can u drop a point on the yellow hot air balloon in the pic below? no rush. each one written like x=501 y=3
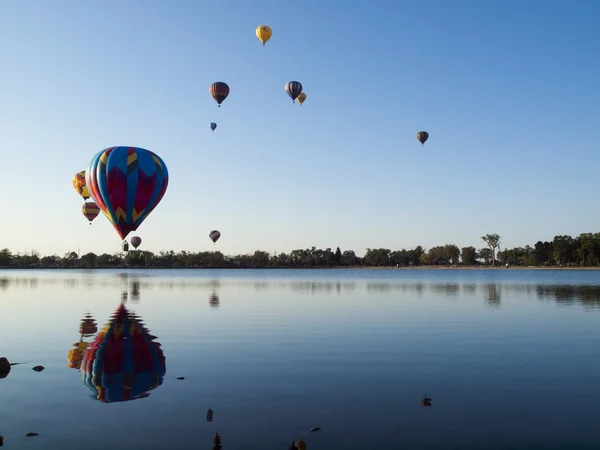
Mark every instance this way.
x=301 y=97
x=80 y=186
x=263 y=33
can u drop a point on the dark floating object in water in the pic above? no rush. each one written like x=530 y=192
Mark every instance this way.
x=38 y=368
x=1 y=440
x=426 y=401
x=293 y=446
x=181 y=378
x=313 y=429
x=209 y=415
x=4 y=367
x=217 y=442
x=32 y=434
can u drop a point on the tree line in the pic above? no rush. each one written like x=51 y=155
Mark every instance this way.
x=564 y=250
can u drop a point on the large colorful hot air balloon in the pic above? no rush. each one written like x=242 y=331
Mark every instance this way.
x=301 y=97
x=219 y=91
x=123 y=362
x=264 y=33
x=422 y=136
x=214 y=236
x=136 y=241
x=79 y=184
x=293 y=89
x=90 y=210
x=213 y=126
x=127 y=183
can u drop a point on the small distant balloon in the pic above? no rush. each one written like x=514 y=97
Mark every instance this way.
x=293 y=89
x=264 y=33
x=213 y=126
x=422 y=136
x=214 y=235
x=136 y=241
x=219 y=91
x=80 y=186
x=301 y=98
x=90 y=210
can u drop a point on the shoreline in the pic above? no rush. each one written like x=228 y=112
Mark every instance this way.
x=316 y=268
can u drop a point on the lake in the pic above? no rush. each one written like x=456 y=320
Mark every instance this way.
x=510 y=359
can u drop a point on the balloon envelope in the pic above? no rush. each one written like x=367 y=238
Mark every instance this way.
x=422 y=136
x=136 y=241
x=214 y=235
x=293 y=89
x=80 y=186
x=90 y=210
x=219 y=91
x=127 y=183
x=213 y=126
x=264 y=33
x=124 y=362
x=301 y=97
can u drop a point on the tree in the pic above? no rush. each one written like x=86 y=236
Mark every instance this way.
x=493 y=242
x=338 y=255
x=5 y=257
x=469 y=256
x=485 y=254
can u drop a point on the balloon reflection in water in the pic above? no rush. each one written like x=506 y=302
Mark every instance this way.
x=87 y=329
x=214 y=300
x=124 y=361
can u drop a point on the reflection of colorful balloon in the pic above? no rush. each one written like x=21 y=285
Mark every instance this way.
x=301 y=97
x=123 y=362
x=136 y=241
x=219 y=91
x=127 y=183
x=214 y=300
x=90 y=210
x=214 y=236
x=422 y=136
x=75 y=356
x=80 y=186
x=293 y=89
x=213 y=126
x=264 y=33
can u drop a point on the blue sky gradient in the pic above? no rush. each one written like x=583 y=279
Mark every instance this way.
x=508 y=91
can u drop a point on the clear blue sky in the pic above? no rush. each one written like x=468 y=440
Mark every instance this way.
x=508 y=90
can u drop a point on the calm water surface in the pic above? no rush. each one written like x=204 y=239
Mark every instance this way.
x=510 y=358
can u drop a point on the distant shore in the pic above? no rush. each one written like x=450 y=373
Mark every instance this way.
x=499 y=267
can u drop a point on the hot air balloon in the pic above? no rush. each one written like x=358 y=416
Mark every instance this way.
x=422 y=136
x=213 y=126
x=293 y=89
x=90 y=210
x=80 y=186
x=123 y=362
x=219 y=91
x=136 y=241
x=127 y=183
x=214 y=236
x=264 y=33
x=301 y=97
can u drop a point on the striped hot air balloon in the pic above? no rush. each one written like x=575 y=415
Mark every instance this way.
x=127 y=183
x=214 y=235
x=136 y=241
x=219 y=91
x=293 y=89
x=90 y=210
